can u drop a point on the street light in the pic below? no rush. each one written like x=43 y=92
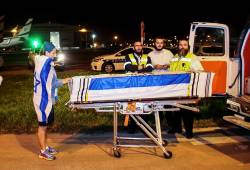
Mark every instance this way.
x=115 y=39
x=84 y=30
x=93 y=36
x=14 y=31
x=35 y=43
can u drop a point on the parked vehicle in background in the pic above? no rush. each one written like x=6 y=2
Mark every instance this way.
x=114 y=62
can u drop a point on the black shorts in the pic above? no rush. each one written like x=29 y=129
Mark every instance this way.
x=50 y=120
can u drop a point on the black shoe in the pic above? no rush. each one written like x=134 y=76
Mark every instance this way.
x=189 y=135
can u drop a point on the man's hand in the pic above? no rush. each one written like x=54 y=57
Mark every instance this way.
x=66 y=80
x=158 y=66
x=166 y=66
x=140 y=67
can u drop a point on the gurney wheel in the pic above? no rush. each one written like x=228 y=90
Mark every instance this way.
x=117 y=154
x=168 y=155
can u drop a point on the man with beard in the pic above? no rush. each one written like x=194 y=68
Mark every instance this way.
x=160 y=57
x=184 y=61
x=137 y=62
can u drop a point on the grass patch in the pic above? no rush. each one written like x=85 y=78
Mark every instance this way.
x=212 y=108
x=17 y=114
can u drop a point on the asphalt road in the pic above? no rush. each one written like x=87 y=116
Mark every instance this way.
x=211 y=148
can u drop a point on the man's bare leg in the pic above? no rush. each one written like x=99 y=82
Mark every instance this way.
x=42 y=137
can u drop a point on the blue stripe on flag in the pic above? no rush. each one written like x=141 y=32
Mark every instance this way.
x=138 y=81
x=44 y=76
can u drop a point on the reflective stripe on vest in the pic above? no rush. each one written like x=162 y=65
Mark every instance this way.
x=182 y=59
x=181 y=63
x=144 y=59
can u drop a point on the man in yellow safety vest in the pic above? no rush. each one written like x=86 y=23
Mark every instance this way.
x=140 y=63
x=184 y=61
x=137 y=61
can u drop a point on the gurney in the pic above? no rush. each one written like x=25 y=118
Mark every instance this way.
x=139 y=94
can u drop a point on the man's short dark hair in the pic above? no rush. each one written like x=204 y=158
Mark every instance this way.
x=160 y=37
x=137 y=42
x=184 y=39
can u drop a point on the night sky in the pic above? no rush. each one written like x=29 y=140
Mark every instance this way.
x=107 y=19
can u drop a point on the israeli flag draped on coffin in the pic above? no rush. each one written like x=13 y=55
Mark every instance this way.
x=140 y=86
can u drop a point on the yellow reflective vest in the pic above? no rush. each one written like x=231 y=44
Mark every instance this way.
x=178 y=63
x=143 y=62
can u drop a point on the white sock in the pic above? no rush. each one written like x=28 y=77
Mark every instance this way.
x=42 y=151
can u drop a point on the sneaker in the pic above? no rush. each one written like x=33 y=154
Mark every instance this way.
x=51 y=150
x=47 y=156
x=189 y=136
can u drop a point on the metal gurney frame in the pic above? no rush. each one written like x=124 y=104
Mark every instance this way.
x=152 y=105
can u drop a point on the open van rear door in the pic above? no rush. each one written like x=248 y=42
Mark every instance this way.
x=210 y=43
x=244 y=53
x=240 y=106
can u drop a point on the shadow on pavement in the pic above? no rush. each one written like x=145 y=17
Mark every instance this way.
x=28 y=142
x=237 y=148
